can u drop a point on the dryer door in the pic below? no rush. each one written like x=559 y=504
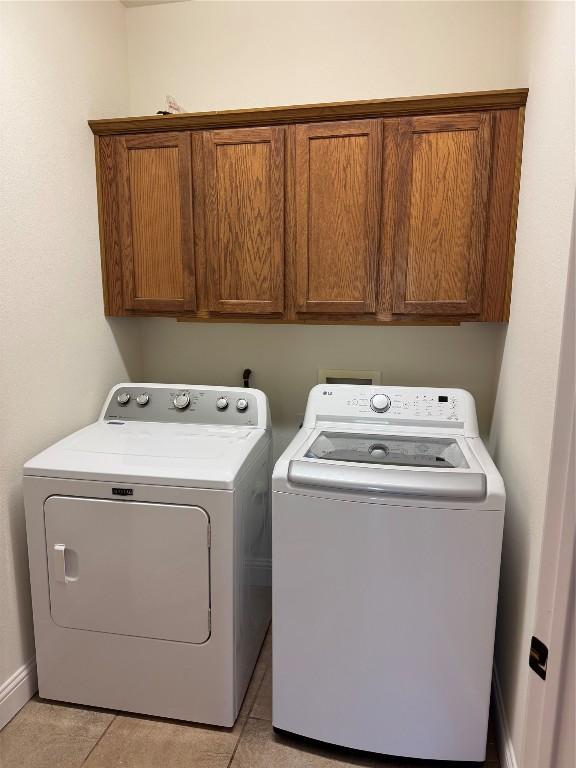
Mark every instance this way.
x=129 y=568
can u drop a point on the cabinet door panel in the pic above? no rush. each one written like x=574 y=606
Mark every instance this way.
x=155 y=193
x=441 y=230
x=337 y=215
x=244 y=220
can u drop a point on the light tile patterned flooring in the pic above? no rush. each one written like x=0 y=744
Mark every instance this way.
x=49 y=735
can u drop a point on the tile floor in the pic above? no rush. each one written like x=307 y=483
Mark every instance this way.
x=49 y=735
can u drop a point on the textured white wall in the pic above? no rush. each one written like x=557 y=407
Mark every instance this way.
x=285 y=359
x=225 y=55
x=61 y=64
x=524 y=411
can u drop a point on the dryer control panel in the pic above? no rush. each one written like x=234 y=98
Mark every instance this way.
x=452 y=409
x=232 y=406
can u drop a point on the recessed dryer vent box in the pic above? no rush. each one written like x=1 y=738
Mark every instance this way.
x=337 y=376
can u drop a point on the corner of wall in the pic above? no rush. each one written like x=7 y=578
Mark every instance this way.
x=525 y=399
x=504 y=742
x=67 y=62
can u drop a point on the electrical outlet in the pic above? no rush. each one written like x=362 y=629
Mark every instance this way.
x=343 y=376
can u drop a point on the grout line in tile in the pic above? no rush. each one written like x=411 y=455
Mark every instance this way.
x=240 y=735
x=99 y=739
x=245 y=723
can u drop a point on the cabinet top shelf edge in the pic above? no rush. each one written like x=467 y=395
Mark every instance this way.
x=308 y=113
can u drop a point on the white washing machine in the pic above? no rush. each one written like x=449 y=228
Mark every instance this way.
x=387 y=518
x=149 y=548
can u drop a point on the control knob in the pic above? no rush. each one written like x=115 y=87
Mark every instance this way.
x=380 y=403
x=222 y=403
x=241 y=404
x=181 y=401
x=123 y=398
x=143 y=398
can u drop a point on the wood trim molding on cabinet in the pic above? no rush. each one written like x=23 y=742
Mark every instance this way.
x=311 y=113
x=502 y=212
x=110 y=255
x=318 y=319
x=514 y=214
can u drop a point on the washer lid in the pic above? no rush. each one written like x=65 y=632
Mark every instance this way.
x=410 y=465
x=390 y=450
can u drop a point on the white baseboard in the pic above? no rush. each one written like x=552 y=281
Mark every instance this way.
x=503 y=737
x=17 y=690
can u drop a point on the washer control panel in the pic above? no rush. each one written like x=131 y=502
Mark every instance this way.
x=190 y=405
x=428 y=406
x=419 y=405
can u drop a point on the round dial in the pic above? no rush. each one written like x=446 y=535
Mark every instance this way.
x=222 y=403
x=380 y=403
x=241 y=404
x=182 y=401
x=123 y=398
x=143 y=398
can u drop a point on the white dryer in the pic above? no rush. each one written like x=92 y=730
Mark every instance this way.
x=387 y=519
x=149 y=549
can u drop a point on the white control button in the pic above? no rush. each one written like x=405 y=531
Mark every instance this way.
x=182 y=401
x=380 y=403
x=123 y=398
x=241 y=404
x=222 y=403
x=143 y=398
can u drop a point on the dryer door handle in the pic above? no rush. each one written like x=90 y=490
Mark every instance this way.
x=60 y=563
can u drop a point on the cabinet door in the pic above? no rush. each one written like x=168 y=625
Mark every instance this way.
x=244 y=220
x=337 y=172
x=155 y=216
x=444 y=171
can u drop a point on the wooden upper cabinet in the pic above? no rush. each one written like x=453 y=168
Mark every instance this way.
x=337 y=203
x=444 y=173
x=400 y=210
x=154 y=178
x=243 y=213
